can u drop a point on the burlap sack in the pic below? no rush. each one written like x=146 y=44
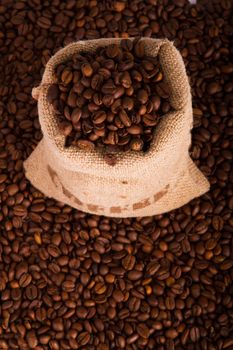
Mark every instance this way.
x=139 y=184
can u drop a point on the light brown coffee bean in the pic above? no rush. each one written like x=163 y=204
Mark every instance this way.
x=83 y=338
x=125 y=118
x=100 y=288
x=134 y=130
x=143 y=330
x=32 y=339
x=118 y=295
x=171 y=333
x=66 y=128
x=142 y=96
x=25 y=280
x=134 y=275
x=136 y=144
x=99 y=117
x=128 y=262
x=86 y=69
x=66 y=76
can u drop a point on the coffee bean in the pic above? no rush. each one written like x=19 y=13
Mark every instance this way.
x=194 y=334
x=143 y=330
x=68 y=286
x=152 y=268
x=170 y=303
x=86 y=69
x=108 y=88
x=12 y=189
x=134 y=275
x=149 y=120
x=142 y=96
x=118 y=295
x=66 y=128
x=100 y=288
x=112 y=51
x=53 y=250
x=25 y=280
x=83 y=338
x=171 y=333
x=44 y=22
x=213 y=88
x=128 y=262
x=99 y=117
x=82 y=312
x=124 y=118
x=227 y=264
x=66 y=76
x=163 y=274
x=31 y=339
x=136 y=144
x=134 y=130
x=76 y=115
x=121 y=342
x=183 y=259
x=31 y=292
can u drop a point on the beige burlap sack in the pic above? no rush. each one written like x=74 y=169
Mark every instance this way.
x=140 y=184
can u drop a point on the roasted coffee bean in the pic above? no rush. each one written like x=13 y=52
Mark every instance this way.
x=86 y=69
x=124 y=118
x=134 y=130
x=64 y=274
x=142 y=96
x=134 y=275
x=31 y=292
x=76 y=115
x=99 y=117
x=32 y=339
x=112 y=51
x=171 y=333
x=128 y=262
x=136 y=144
x=25 y=280
x=66 y=128
x=66 y=76
x=83 y=338
x=143 y=330
x=100 y=288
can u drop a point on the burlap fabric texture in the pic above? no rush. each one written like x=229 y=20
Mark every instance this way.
x=140 y=184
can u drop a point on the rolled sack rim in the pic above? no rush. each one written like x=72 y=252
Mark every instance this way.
x=127 y=163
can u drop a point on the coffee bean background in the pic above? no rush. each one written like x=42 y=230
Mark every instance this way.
x=69 y=280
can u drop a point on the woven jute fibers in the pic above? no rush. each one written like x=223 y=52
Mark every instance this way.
x=140 y=184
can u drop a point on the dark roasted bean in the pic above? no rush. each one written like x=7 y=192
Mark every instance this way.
x=71 y=280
